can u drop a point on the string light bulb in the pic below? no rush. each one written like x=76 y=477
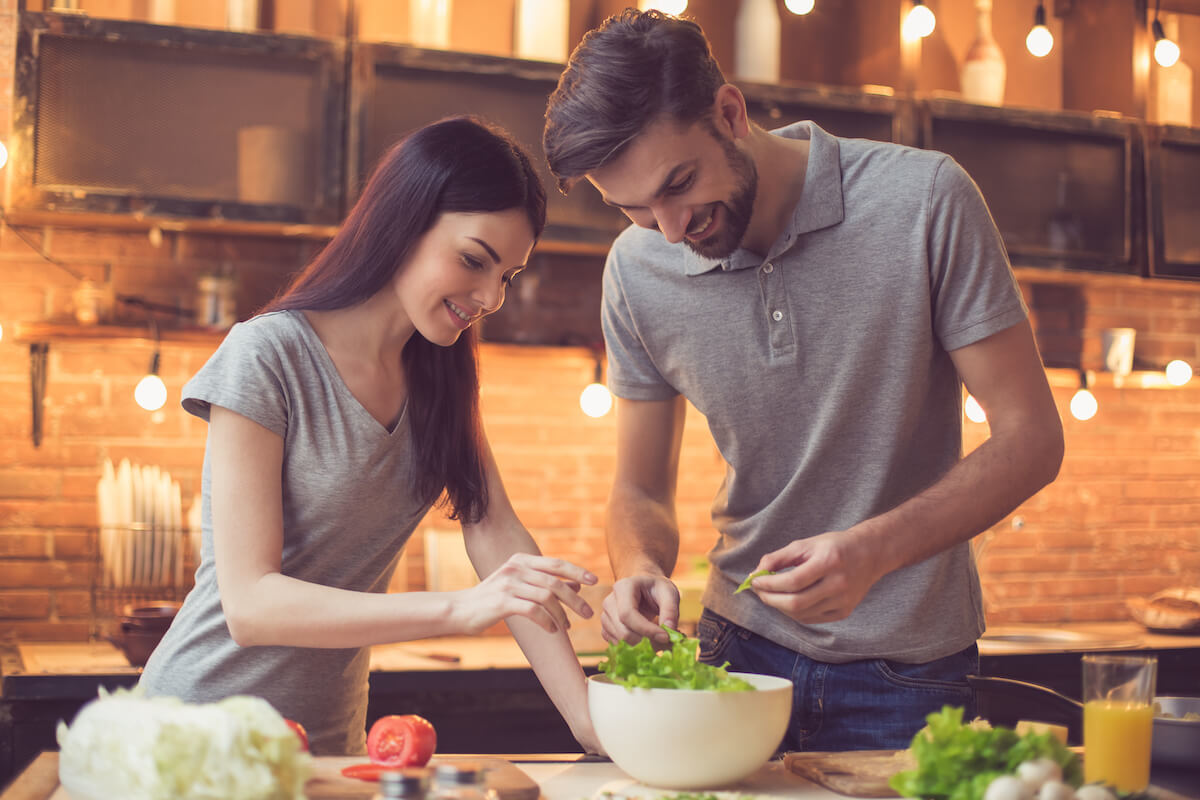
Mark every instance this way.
x=800 y=7
x=150 y=392
x=1179 y=372
x=3 y=155
x=1166 y=52
x=973 y=410
x=595 y=400
x=1040 y=40
x=919 y=22
x=1084 y=405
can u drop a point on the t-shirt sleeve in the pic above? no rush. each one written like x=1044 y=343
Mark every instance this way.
x=631 y=372
x=244 y=375
x=975 y=293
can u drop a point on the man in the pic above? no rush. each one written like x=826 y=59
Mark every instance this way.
x=821 y=301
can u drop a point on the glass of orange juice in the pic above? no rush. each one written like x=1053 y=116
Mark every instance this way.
x=1118 y=717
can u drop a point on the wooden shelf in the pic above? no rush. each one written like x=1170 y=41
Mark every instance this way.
x=141 y=222
x=555 y=241
x=66 y=331
x=1070 y=277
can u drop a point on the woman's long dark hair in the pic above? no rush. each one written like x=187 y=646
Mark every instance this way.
x=460 y=164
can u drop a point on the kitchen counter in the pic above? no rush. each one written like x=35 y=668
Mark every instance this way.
x=559 y=777
x=483 y=697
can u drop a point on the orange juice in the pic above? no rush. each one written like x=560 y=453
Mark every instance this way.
x=1116 y=743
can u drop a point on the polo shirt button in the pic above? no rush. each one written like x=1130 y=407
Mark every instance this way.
x=777 y=315
x=769 y=268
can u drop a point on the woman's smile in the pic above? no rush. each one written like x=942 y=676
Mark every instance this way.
x=459 y=316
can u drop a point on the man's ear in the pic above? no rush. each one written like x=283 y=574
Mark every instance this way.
x=730 y=108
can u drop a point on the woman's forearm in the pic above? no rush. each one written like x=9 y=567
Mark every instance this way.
x=279 y=610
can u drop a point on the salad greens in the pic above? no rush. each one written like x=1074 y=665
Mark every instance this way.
x=744 y=585
x=957 y=761
x=676 y=667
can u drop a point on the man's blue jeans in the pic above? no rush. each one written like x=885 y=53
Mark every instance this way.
x=874 y=704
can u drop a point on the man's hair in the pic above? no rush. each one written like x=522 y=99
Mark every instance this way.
x=635 y=68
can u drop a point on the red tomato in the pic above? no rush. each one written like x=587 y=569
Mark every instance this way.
x=364 y=772
x=401 y=741
x=298 y=729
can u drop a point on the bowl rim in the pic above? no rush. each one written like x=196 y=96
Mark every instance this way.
x=602 y=678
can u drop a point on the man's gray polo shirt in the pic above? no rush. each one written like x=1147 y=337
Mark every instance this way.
x=824 y=375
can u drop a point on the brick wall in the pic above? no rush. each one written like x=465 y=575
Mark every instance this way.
x=1123 y=518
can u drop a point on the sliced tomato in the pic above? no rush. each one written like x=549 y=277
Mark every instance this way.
x=401 y=740
x=298 y=729
x=364 y=772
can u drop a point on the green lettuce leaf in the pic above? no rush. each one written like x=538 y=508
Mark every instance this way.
x=675 y=667
x=957 y=761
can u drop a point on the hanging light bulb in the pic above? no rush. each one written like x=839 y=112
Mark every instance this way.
x=800 y=7
x=973 y=410
x=3 y=155
x=1040 y=40
x=919 y=22
x=1083 y=404
x=1166 y=52
x=595 y=399
x=1179 y=372
x=672 y=7
x=150 y=392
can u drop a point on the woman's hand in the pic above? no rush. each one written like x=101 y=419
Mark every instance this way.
x=536 y=587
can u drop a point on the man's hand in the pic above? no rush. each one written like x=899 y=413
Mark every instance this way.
x=819 y=579
x=630 y=609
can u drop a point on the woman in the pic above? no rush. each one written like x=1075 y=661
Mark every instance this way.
x=337 y=418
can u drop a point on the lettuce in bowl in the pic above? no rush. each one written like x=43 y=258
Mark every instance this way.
x=675 y=667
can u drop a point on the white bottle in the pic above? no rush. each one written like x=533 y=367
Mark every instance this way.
x=756 y=41
x=983 y=70
x=429 y=23
x=542 y=30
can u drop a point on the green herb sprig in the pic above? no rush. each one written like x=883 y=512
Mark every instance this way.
x=744 y=585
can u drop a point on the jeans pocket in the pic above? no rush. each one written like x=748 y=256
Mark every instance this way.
x=948 y=674
x=715 y=634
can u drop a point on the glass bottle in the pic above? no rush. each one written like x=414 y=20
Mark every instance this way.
x=411 y=783
x=458 y=781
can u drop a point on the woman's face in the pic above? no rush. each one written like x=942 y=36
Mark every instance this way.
x=459 y=270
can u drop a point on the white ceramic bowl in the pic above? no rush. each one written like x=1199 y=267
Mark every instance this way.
x=689 y=739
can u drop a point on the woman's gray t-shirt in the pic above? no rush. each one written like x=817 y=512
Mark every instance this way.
x=348 y=510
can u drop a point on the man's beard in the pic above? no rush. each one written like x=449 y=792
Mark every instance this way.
x=738 y=208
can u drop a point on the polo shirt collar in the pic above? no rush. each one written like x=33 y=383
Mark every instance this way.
x=821 y=201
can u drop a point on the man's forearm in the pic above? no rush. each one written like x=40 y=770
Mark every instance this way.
x=642 y=535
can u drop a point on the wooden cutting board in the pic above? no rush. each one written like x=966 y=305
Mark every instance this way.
x=862 y=773
x=328 y=783
x=40 y=780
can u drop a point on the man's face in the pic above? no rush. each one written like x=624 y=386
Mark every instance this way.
x=692 y=184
